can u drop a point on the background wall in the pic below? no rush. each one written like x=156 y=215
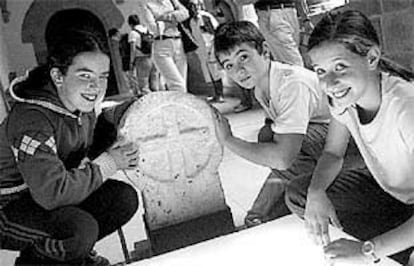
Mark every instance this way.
x=394 y=21
x=4 y=69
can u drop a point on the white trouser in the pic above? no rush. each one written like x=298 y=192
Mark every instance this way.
x=280 y=27
x=171 y=60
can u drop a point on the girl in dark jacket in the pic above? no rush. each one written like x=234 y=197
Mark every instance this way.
x=55 y=202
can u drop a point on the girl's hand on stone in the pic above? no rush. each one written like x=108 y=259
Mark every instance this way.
x=125 y=154
x=345 y=251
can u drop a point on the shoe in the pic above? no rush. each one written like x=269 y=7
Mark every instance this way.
x=215 y=99
x=28 y=258
x=94 y=259
x=252 y=221
x=241 y=108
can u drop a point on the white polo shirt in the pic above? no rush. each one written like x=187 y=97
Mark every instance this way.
x=295 y=99
x=387 y=142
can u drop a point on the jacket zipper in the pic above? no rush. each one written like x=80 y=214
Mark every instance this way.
x=80 y=119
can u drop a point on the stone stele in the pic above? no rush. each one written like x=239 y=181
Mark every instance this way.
x=179 y=157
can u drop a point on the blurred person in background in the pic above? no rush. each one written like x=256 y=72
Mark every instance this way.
x=279 y=23
x=162 y=18
x=141 y=65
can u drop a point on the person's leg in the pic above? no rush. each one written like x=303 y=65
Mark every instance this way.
x=163 y=56
x=154 y=77
x=281 y=35
x=246 y=100
x=271 y=191
x=143 y=68
x=363 y=208
x=218 y=90
x=215 y=77
x=180 y=59
x=132 y=77
x=112 y=205
x=66 y=234
x=247 y=97
x=269 y=203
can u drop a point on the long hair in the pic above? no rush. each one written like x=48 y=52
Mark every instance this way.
x=232 y=34
x=355 y=31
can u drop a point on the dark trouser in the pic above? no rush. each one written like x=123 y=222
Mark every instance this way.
x=218 y=88
x=270 y=203
x=68 y=233
x=246 y=97
x=362 y=207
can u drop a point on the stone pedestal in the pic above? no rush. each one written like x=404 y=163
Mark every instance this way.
x=179 y=159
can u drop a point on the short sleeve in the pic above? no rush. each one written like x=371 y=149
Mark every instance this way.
x=293 y=109
x=406 y=124
x=134 y=37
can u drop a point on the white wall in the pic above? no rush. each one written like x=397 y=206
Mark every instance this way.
x=128 y=7
x=21 y=55
x=4 y=69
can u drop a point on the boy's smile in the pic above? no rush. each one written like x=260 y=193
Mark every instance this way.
x=245 y=65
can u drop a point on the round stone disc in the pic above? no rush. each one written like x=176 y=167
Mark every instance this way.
x=175 y=135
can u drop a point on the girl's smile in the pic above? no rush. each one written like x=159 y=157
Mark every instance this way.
x=345 y=76
x=84 y=84
x=340 y=93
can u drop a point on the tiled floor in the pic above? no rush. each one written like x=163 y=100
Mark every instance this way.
x=241 y=182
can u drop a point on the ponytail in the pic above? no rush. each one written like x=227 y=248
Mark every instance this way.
x=395 y=69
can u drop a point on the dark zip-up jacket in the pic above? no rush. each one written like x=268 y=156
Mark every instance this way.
x=44 y=146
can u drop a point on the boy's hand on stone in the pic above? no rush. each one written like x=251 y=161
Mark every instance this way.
x=222 y=126
x=319 y=212
x=125 y=154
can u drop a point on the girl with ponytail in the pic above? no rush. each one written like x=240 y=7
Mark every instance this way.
x=371 y=99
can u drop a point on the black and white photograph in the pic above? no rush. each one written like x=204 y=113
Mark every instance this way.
x=206 y=132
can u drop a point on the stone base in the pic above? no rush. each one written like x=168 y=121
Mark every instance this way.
x=190 y=232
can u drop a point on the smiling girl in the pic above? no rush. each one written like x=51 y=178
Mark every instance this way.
x=372 y=100
x=55 y=203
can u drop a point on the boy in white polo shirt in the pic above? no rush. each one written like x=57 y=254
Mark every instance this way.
x=297 y=114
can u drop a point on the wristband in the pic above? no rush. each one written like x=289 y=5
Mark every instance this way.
x=368 y=249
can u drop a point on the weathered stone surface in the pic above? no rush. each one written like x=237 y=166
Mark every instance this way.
x=179 y=157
